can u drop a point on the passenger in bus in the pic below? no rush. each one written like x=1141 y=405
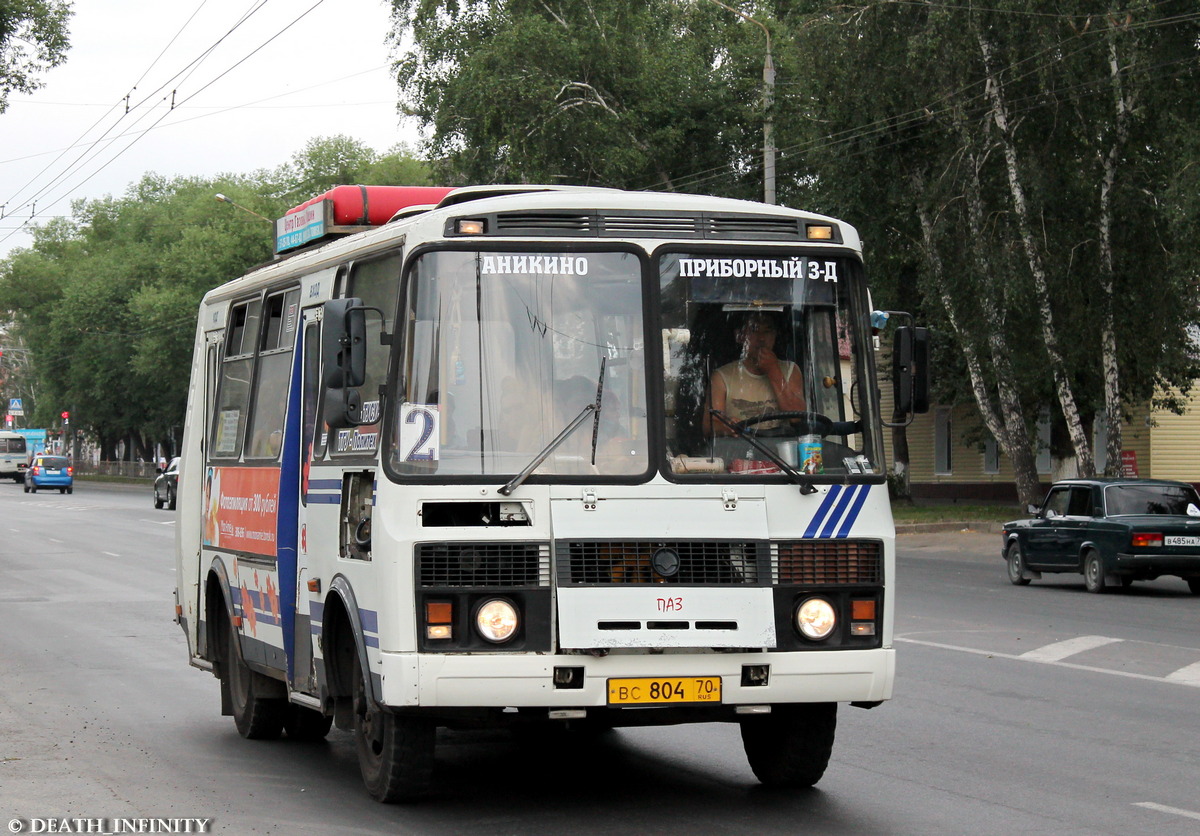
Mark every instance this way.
x=757 y=383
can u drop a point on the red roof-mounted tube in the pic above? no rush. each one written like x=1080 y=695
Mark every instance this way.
x=374 y=205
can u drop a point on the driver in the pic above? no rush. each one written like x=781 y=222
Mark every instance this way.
x=758 y=383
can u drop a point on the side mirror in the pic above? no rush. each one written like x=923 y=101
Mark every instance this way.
x=910 y=369
x=344 y=343
x=1031 y=510
x=343 y=360
x=343 y=408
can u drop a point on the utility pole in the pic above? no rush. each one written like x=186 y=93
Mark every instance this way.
x=768 y=108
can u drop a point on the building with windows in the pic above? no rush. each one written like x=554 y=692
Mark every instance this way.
x=953 y=457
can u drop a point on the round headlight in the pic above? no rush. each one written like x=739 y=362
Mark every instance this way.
x=497 y=620
x=816 y=619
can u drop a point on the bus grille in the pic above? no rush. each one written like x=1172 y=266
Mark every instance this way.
x=704 y=562
x=816 y=562
x=476 y=564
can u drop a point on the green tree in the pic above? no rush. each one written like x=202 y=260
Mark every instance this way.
x=1030 y=152
x=623 y=93
x=33 y=39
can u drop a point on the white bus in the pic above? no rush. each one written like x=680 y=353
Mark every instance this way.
x=14 y=456
x=468 y=467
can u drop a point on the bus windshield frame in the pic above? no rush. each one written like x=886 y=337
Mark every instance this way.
x=809 y=309
x=503 y=347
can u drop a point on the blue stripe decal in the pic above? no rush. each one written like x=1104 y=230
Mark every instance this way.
x=371 y=641
x=370 y=620
x=287 y=533
x=852 y=517
x=826 y=504
x=325 y=484
x=324 y=498
x=831 y=523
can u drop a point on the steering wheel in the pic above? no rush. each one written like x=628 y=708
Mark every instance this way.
x=811 y=423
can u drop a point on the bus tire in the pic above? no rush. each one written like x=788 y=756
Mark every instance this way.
x=395 y=751
x=790 y=747
x=305 y=724
x=256 y=717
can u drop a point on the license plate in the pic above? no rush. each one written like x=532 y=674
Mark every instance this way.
x=665 y=690
x=1181 y=541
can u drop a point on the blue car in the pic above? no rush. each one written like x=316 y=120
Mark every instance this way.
x=50 y=472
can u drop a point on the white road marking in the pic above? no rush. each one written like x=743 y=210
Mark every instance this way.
x=1162 y=808
x=1058 y=651
x=1189 y=675
x=1071 y=665
x=111 y=554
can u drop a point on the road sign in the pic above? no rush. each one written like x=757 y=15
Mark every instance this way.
x=15 y=407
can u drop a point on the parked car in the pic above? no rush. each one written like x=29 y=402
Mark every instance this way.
x=1113 y=531
x=50 y=472
x=165 y=484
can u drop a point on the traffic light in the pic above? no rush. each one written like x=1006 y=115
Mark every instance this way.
x=66 y=416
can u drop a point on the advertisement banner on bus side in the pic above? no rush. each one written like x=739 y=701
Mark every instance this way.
x=241 y=508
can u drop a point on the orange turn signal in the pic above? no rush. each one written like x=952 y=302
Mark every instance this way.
x=862 y=610
x=439 y=612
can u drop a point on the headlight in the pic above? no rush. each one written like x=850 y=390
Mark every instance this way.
x=497 y=620
x=816 y=619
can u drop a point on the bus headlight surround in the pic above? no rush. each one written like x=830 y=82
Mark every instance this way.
x=816 y=619
x=497 y=620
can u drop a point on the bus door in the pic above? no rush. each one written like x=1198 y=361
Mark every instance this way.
x=311 y=438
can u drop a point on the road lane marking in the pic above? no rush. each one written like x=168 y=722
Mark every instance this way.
x=1189 y=675
x=111 y=554
x=1072 y=665
x=1162 y=808
x=1058 y=651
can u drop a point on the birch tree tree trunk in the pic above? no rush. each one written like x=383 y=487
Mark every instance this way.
x=1006 y=423
x=1123 y=105
x=994 y=91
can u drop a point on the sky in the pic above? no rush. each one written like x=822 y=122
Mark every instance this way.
x=244 y=100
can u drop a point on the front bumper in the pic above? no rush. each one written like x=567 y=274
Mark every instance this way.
x=500 y=680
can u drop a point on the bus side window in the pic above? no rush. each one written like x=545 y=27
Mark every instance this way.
x=233 y=389
x=281 y=312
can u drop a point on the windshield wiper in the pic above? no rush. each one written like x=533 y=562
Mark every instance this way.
x=516 y=481
x=806 y=485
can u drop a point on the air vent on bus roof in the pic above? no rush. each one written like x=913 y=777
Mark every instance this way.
x=541 y=223
x=653 y=225
x=754 y=226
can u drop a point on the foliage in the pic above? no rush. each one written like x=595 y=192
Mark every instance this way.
x=33 y=39
x=894 y=144
x=106 y=301
x=621 y=93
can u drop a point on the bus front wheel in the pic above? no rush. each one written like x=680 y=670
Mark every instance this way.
x=790 y=747
x=395 y=751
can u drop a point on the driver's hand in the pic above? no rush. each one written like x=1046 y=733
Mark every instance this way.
x=766 y=360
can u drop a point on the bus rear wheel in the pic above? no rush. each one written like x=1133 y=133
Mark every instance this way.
x=790 y=747
x=256 y=717
x=395 y=751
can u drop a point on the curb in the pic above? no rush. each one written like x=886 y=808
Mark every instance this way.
x=970 y=526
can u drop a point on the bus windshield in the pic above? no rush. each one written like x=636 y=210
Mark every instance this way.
x=748 y=336
x=504 y=349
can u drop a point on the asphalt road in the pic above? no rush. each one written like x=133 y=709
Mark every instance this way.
x=1038 y=709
